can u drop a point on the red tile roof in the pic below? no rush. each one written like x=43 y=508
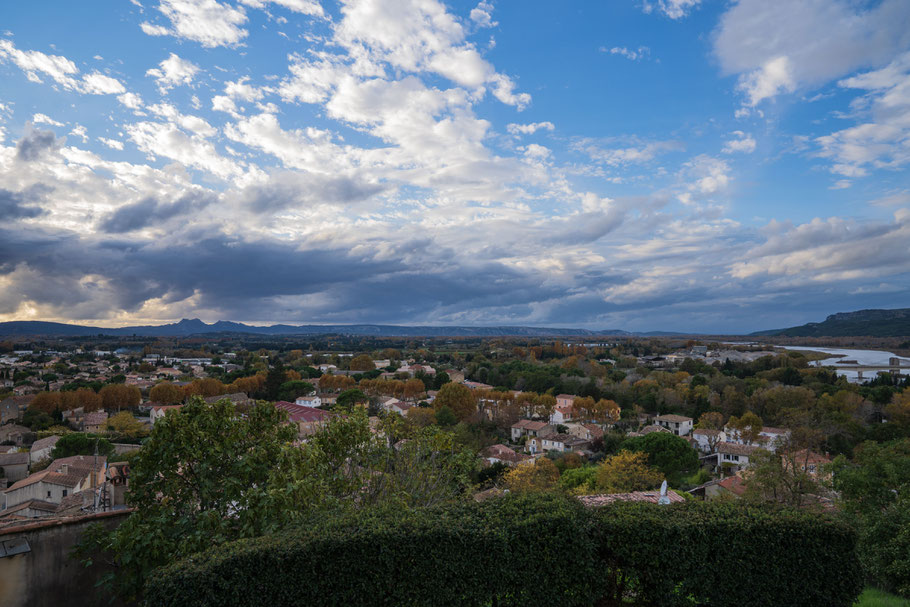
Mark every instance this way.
x=302 y=413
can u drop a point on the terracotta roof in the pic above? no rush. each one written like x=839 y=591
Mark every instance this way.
x=33 y=504
x=13 y=459
x=770 y=430
x=595 y=430
x=814 y=458
x=651 y=428
x=302 y=413
x=736 y=449
x=672 y=417
x=49 y=441
x=95 y=418
x=78 y=468
x=572 y=396
x=636 y=496
x=734 y=484
x=530 y=424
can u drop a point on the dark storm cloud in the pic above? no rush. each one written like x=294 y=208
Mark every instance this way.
x=34 y=143
x=150 y=211
x=244 y=280
x=289 y=190
x=16 y=205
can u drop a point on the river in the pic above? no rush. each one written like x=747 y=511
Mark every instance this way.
x=876 y=360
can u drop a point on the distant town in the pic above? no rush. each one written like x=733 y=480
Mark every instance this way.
x=602 y=422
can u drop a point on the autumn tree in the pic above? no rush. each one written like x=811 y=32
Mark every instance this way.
x=86 y=398
x=625 y=472
x=46 y=402
x=421 y=417
x=458 y=398
x=898 y=410
x=712 y=420
x=125 y=424
x=540 y=475
x=120 y=396
x=205 y=387
x=166 y=393
x=362 y=362
x=413 y=388
x=544 y=405
x=748 y=427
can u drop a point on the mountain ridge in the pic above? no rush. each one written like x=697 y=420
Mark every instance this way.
x=194 y=326
x=871 y=323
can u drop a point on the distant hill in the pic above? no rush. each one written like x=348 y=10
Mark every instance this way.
x=871 y=323
x=195 y=326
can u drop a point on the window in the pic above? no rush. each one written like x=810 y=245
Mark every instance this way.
x=48 y=493
x=64 y=493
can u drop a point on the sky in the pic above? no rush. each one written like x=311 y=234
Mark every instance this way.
x=688 y=165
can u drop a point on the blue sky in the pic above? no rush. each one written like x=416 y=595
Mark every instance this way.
x=690 y=165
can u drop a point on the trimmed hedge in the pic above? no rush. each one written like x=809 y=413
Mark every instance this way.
x=513 y=551
x=542 y=550
x=699 y=553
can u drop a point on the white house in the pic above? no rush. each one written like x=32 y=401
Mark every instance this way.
x=41 y=449
x=63 y=477
x=769 y=438
x=679 y=425
x=158 y=412
x=708 y=439
x=563 y=443
x=308 y=401
x=735 y=454
x=562 y=413
x=529 y=427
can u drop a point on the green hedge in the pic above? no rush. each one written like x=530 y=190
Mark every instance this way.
x=540 y=550
x=699 y=553
x=517 y=551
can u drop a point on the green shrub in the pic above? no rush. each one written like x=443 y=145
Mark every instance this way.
x=516 y=551
x=530 y=550
x=699 y=553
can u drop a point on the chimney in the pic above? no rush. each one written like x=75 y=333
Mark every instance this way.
x=64 y=469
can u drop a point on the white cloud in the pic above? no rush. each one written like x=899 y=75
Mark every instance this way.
x=883 y=140
x=114 y=144
x=79 y=131
x=306 y=7
x=743 y=142
x=170 y=142
x=99 y=84
x=208 y=22
x=45 y=119
x=674 y=9
x=421 y=36
x=130 y=100
x=778 y=46
x=639 y=152
x=172 y=72
x=529 y=129
x=774 y=77
x=60 y=69
x=482 y=16
x=708 y=175
x=633 y=54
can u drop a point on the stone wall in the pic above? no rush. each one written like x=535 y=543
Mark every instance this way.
x=46 y=576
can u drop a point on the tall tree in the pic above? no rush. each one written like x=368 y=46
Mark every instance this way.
x=458 y=398
x=626 y=471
